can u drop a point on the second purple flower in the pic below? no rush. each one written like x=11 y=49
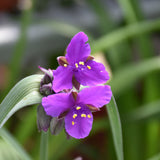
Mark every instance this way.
x=76 y=108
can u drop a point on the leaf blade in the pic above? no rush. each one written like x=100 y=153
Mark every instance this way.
x=25 y=92
x=126 y=77
x=116 y=128
x=14 y=145
x=146 y=112
x=155 y=157
x=115 y=37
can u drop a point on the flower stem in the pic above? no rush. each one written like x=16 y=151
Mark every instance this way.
x=44 y=146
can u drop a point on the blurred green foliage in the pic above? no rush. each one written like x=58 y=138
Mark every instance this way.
x=135 y=64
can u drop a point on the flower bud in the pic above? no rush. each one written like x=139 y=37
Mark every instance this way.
x=56 y=125
x=46 y=82
x=43 y=120
x=46 y=89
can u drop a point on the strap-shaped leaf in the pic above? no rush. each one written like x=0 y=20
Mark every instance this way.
x=126 y=77
x=109 y=40
x=24 y=93
x=115 y=124
x=144 y=113
x=11 y=146
x=155 y=157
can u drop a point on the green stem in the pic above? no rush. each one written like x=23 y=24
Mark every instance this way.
x=44 y=146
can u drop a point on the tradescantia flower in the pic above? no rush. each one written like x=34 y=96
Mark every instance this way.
x=77 y=107
x=78 y=67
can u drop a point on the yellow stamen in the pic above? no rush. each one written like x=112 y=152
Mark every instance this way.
x=76 y=65
x=74 y=116
x=77 y=108
x=81 y=62
x=89 y=67
x=83 y=115
x=89 y=116
x=65 y=65
x=72 y=122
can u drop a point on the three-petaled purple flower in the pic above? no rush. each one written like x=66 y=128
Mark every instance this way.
x=77 y=108
x=78 y=67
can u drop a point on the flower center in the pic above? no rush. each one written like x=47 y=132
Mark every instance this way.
x=79 y=113
x=81 y=66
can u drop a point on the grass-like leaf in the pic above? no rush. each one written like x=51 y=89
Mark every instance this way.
x=24 y=93
x=146 y=112
x=115 y=37
x=10 y=145
x=156 y=157
x=116 y=128
x=127 y=76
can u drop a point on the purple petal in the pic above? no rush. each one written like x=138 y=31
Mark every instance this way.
x=62 y=78
x=93 y=74
x=96 y=96
x=78 y=49
x=78 y=122
x=56 y=104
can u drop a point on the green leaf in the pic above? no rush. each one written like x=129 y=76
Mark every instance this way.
x=127 y=76
x=115 y=124
x=10 y=145
x=61 y=28
x=156 y=157
x=146 y=112
x=22 y=133
x=20 y=46
x=128 y=11
x=24 y=93
x=115 y=37
x=5 y=149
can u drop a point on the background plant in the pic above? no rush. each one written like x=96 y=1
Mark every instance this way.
x=130 y=45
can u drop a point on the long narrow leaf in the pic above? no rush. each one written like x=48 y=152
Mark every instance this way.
x=24 y=93
x=124 y=78
x=156 y=157
x=146 y=112
x=14 y=145
x=116 y=128
x=29 y=118
x=122 y=34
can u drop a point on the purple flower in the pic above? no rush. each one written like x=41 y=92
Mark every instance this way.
x=77 y=107
x=78 y=67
